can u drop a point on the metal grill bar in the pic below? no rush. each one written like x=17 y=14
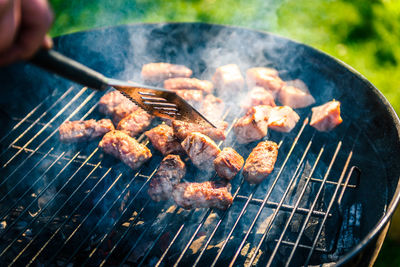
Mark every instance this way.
x=38 y=119
x=24 y=119
x=305 y=122
x=47 y=124
x=280 y=202
x=53 y=216
x=291 y=214
x=314 y=203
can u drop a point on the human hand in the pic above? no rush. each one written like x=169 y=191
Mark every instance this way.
x=23 y=27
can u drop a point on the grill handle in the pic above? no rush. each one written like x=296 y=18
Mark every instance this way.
x=68 y=68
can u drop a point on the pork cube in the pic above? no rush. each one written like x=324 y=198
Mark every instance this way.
x=202 y=195
x=228 y=79
x=168 y=175
x=228 y=163
x=135 y=123
x=295 y=97
x=183 y=129
x=115 y=104
x=253 y=126
x=258 y=96
x=264 y=77
x=201 y=149
x=77 y=131
x=125 y=148
x=298 y=84
x=189 y=84
x=260 y=162
x=158 y=72
x=193 y=97
x=162 y=138
x=213 y=108
x=326 y=117
x=282 y=119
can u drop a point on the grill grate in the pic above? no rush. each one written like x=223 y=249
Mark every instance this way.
x=70 y=204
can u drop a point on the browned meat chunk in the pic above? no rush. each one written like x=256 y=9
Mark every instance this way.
x=168 y=175
x=202 y=195
x=295 y=97
x=126 y=148
x=193 y=97
x=201 y=150
x=183 y=129
x=116 y=105
x=135 y=123
x=326 y=117
x=260 y=162
x=282 y=119
x=189 y=84
x=228 y=79
x=213 y=108
x=258 y=96
x=163 y=139
x=253 y=126
x=265 y=77
x=228 y=163
x=158 y=72
x=76 y=131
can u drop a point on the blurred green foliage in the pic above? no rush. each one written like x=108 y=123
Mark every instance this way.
x=364 y=34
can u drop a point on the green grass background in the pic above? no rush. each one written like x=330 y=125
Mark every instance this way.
x=363 y=33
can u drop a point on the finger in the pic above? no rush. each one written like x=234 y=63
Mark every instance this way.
x=13 y=54
x=48 y=42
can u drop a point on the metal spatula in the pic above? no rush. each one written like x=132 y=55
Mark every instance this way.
x=157 y=101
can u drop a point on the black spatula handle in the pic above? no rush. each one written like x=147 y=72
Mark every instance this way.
x=68 y=68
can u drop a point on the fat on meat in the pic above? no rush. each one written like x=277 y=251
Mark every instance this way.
x=77 y=131
x=183 y=129
x=202 y=195
x=258 y=96
x=170 y=172
x=228 y=80
x=162 y=138
x=326 y=117
x=282 y=119
x=252 y=126
x=228 y=163
x=125 y=148
x=159 y=71
x=260 y=162
x=201 y=149
x=264 y=77
x=135 y=123
x=189 y=84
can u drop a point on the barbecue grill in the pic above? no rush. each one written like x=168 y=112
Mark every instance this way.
x=328 y=200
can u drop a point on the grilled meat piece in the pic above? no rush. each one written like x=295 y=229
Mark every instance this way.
x=135 y=123
x=126 y=148
x=213 y=108
x=168 y=175
x=189 y=84
x=193 y=97
x=260 y=162
x=202 y=195
x=163 y=139
x=201 y=149
x=158 y=72
x=258 y=96
x=115 y=104
x=183 y=129
x=228 y=163
x=253 y=126
x=228 y=79
x=326 y=117
x=76 y=131
x=295 y=97
x=265 y=77
x=282 y=119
